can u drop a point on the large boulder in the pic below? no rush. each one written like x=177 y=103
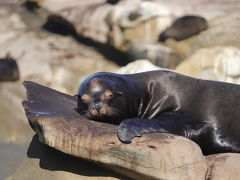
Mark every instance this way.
x=115 y=25
x=209 y=9
x=217 y=63
x=58 y=61
x=43 y=162
x=222 y=31
x=137 y=66
x=61 y=67
x=223 y=166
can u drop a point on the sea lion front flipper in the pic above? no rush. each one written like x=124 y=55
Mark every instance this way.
x=130 y=128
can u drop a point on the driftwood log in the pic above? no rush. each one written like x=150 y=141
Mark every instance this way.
x=52 y=116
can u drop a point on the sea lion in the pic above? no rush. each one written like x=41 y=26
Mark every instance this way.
x=184 y=27
x=206 y=112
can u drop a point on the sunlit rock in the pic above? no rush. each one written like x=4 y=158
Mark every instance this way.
x=223 y=166
x=217 y=63
x=156 y=53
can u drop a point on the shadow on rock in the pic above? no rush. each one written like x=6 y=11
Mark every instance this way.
x=59 y=25
x=53 y=160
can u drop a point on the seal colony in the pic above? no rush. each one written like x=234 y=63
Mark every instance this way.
x=207 y=112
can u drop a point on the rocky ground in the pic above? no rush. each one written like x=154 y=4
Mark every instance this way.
x=59 y=43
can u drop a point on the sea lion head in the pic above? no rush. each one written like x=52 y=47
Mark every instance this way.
x=101 y=98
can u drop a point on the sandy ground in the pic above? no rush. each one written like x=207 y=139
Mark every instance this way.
x=11 y=156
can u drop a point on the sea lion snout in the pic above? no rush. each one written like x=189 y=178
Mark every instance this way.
x=99 y=109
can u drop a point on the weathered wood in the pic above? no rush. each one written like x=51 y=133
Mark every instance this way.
x=52 y=116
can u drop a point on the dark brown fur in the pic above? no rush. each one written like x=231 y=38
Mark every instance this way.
x=206 y=112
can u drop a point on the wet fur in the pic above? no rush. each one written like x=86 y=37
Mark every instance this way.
x=206 y=112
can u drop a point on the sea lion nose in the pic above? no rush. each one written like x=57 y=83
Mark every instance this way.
x=98 y=107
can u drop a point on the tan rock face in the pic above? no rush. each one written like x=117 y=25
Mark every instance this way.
x=223 y=31
x=44 y=163
x=77 y=62
x=155 y=156
x=138 y=66
x=51 y=59
x=14 y=127
x=217 y=63
x=56 y=6
x=116 y=25
x=157 y=53
x=223 y=166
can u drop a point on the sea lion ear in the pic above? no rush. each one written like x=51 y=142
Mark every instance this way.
x=119 y=93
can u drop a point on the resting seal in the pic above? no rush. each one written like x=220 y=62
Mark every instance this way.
x=206 y=112
x=184 y=27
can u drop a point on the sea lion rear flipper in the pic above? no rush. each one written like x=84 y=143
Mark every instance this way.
x=130 y=128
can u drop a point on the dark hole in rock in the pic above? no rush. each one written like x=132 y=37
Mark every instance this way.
x=59 y=25
x=113 y=2
x=30 y=5
x=133 y=16
x=152 y=147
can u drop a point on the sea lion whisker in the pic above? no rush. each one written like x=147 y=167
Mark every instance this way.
x=87 y=114
x=86 y=111
x=109 y=115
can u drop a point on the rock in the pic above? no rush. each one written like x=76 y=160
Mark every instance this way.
x=116 y=25
x=14 y=127
x=135 y=20
x=184 y=27
x=58 y=61
x=57 y=53
x=153 y=156
x=157 y=53
x=138 y=66
x=217 y=63
x=56 y=6
x=223 y=31
x=223 y=166
x=76 y=62
x=43 y=162
x=209 y=9
x=143 y=22
x=11 y=156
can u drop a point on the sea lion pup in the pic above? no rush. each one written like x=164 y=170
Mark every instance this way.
x=8 y=69
x=206 y=112
x=184 y=27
